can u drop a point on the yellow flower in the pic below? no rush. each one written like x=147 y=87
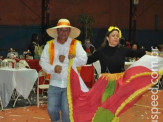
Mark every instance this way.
x=111 y=28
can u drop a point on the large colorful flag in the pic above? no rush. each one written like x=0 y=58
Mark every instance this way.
x=112 y=94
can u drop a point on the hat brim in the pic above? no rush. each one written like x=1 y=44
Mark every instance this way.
x=52 y=32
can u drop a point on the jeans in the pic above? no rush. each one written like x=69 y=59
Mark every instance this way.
x=57 y=101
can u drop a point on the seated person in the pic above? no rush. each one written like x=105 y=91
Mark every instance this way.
x=27 y=55
x=128 y=44
x=134 y=46
x=12 y=54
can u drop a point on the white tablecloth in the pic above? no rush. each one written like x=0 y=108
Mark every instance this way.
x=20 y=79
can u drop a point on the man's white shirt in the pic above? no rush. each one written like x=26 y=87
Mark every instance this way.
x=60 y=79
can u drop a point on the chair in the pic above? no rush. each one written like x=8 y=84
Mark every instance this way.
x=1 y=103
x=87 y=74
x=30 y=57
x=97 y=67
x=161 y=82
x=17 y=95
x=10 y=60
x=23 y=64
x=41 y=85
x=127 y=65
x=0 y=62
x=6 y=62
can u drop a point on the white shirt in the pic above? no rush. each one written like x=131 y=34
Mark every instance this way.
x=60 y=79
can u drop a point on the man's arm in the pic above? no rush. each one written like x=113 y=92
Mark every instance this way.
x=44 y=61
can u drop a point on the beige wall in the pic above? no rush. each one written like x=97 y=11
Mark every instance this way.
x=105 y=12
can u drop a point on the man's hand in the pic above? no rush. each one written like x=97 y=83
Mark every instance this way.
x=61 y=58
x=71 y=56
x=58 y=69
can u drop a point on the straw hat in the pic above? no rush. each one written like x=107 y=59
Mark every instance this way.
x=63 y=23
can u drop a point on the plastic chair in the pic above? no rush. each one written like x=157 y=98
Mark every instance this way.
x=1 y=103
x=97 y=67
x=8 y=62
x=87 y=74
x=161 y=82
x=30 y=57
x=41 y=85
x=0 y=62
x=23 y=64
x=17 y=96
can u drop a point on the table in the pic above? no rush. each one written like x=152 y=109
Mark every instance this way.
x=20 y=79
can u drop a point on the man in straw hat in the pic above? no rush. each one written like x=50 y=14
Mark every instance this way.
x=55 y=61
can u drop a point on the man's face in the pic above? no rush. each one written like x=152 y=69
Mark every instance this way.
x=63 y=33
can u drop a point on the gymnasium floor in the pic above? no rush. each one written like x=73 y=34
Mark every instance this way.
x=142 y=111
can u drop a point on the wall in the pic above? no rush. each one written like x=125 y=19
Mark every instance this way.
x=19 y=15
x=105 y=12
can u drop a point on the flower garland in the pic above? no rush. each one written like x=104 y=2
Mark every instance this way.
x=111 y=28
x=51 y=51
